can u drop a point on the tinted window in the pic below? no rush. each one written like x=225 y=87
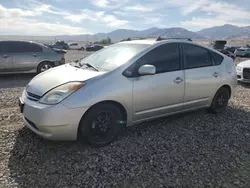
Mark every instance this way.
x=196 y=56
x=217 y=58
x=2 y=50
x=18 y=47
x=29 y=47
x=6 y=47
x=165 y=58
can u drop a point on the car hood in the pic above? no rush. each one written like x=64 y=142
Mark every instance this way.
x=245 y=64
x=49 y=79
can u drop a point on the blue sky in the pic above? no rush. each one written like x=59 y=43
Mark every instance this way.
x=57 y=17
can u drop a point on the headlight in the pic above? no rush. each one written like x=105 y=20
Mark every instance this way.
x=59 y=93
x=238 y=68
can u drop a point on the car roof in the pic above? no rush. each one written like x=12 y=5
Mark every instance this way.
x=153 y=41
x=27 y=41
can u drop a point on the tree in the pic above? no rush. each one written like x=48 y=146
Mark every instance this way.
x=106 y=41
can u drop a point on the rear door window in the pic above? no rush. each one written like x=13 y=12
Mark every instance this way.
x=217 y=58
x=29 y=47
x=196 y=56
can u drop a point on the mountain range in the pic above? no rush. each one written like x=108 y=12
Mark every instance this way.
x=226 y=31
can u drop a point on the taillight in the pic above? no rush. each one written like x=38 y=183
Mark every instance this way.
x=63 y=59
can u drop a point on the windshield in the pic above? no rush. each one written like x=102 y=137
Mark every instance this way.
x=113 y=56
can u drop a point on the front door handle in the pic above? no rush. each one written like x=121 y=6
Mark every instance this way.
x=178 y=80
x=6 y=56
x=215 y=74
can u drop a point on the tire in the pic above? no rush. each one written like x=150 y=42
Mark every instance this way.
x=220 y=101
x=94 y=124
x=46 y=65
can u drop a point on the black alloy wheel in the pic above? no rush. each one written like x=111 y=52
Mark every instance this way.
x=220 y=101
x=101 y=125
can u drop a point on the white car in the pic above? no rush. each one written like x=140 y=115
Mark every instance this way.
x=243 y=71
x=243 y=52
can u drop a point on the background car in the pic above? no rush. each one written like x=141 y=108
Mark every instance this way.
x=94 y=47
x=243 y=71
x=76 y=46
x=242 y=52
x=231 y=48
x=228 y=53
x=26 y=56
x=73 y=44
x=106 y=91
x=60 y=45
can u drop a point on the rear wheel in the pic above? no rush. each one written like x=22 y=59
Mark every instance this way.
x=44 y=66
x=220 y=101
x=101 y=125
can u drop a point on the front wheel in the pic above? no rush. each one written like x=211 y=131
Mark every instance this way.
x=101 y=125
x=220 y=101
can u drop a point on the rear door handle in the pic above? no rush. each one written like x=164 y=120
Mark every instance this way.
x=178 y=80
x=215 y=74
x=34 y=55
x=6 y=56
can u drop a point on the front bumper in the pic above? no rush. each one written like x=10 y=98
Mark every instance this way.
x=53 y=122
x=240 y=77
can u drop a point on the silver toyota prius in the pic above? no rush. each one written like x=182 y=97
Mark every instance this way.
x=126 y=83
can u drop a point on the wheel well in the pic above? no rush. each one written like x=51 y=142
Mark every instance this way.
x=117 y=104
x=228 y=88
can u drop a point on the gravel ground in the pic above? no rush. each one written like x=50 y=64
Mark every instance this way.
x=190 y=150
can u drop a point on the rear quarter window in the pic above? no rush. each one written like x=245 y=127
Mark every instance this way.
x=217 y=58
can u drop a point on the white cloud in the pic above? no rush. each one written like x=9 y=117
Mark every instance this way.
x=226 y=11
x=100 y=16
x=200 y=23
x=138 y=8
x=48 y=9
x=19 y=21
x=218 y=13
x=100 y=3
x=110 y=4
x=15 y=12
x=33 y=27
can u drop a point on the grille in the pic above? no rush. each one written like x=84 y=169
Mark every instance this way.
x=33 y=97
x=246 y=73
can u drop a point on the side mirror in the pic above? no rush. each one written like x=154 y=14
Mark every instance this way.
x=147 y=70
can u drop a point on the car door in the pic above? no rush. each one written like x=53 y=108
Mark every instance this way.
x=27 y=56
x=6 y=60
x=161 y=93
x=202 y=77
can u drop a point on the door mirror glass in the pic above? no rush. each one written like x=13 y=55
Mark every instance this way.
x=147 y=70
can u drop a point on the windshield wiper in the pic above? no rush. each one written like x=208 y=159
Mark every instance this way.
x=89 y=65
